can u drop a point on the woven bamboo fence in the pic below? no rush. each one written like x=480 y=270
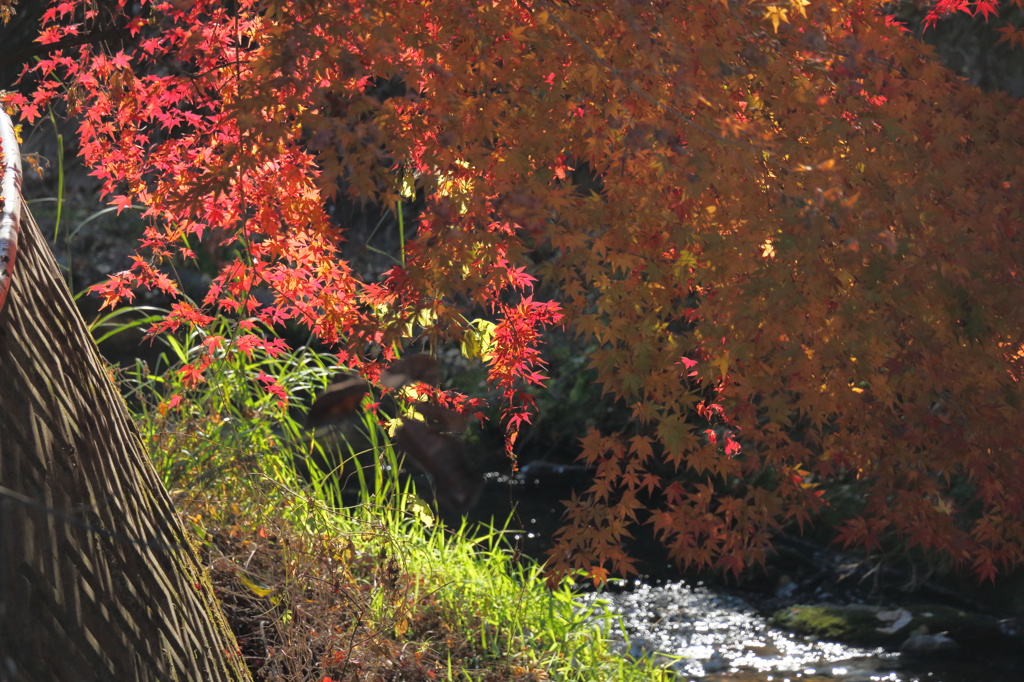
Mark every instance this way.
x=99 y=579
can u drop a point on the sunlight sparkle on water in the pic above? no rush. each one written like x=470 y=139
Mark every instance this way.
x=720 y=635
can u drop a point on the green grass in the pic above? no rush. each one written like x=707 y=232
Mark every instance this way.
x=377 y=591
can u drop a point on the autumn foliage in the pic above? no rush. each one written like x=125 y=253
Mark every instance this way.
x=792 y=237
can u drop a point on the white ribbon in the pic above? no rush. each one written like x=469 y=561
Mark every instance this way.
x=10 y=194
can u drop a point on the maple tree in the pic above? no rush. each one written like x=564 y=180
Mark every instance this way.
x=791 y=236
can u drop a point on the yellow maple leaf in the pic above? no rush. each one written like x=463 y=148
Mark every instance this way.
x=776 y=15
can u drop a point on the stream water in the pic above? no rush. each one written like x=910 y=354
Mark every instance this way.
x=718 y=636
x=709 y=632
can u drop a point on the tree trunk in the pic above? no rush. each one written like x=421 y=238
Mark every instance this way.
x=99 y=579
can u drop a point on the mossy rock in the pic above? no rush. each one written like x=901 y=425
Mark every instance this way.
x=885 y=626
x=828 y=621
